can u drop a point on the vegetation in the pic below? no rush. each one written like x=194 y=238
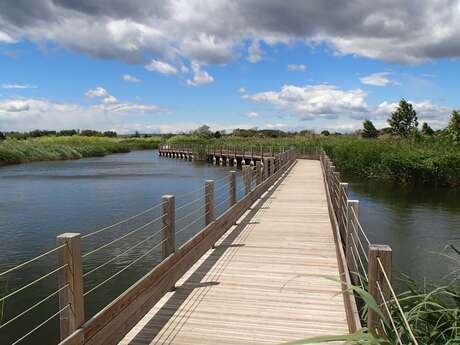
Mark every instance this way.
x=369 y=130
x=400 y=152
x=14 y=151
x=426 y=129
x=403 y=121
x=454 y=127
x=433 y=313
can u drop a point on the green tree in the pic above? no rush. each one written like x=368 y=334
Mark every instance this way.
x=403 y=120
x=325 y=133
x=2 y=136
x=454 y=126
x=426 y=129
x=369 y=130
x=203 y=132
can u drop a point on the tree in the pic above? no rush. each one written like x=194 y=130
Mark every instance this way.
x=2 y=136
x=426 y=129
x=203 y=132
x=325 y=133
x=369 y=130
x=403 y=120
x=454 y=126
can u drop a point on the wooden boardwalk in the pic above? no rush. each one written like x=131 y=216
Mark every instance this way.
x=268 y=280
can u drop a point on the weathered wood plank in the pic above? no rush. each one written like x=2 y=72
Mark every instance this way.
x=267 y=280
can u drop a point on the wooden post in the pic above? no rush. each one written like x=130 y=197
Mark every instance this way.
x=343 y=197
x=258 y=172
x=169 y=225
x=247 y=179
x=271 y=168
x=232 y=187
x=351 y=205
x=73 y=316
x=209 y=201
x=378 y=253
x=266 y=171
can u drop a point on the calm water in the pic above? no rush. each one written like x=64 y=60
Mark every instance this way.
x=418 y=222
x=41 y=200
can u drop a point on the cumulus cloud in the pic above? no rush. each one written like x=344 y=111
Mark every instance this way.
x=215 y=31
x=328 y=102
x=130 y=78
x=97 y=92
x=200 y=77
x=377 y=79
x=252 y=114
x=161 y=67
x=297 y=67
x=18 y=86
x=314 y=101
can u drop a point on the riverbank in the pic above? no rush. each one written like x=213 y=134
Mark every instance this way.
x=14 y=151
x=430 y=161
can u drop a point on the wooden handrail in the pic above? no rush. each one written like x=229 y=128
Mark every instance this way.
x=114 y=321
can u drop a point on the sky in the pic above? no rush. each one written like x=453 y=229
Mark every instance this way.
x=173 y=65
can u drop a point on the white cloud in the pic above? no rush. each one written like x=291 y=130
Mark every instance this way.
x=242 y=90
x=161 y=67
x=29 y=113
x=254 y=52
x=100 y=92
x=314 y=101
x=343 y=107
x=97 y=92
x=297 y=67
x=130 y=78
x=252 y=114
x=200 y=77
x=5 y=38
x=377 y=79
x=18 y=86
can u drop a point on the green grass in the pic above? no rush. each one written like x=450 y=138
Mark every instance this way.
x=430 y=161
x=14 y=151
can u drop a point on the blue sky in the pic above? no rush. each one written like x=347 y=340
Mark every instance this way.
x=176 y=67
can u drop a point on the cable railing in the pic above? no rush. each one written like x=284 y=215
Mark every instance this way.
x=155 y=230
x=369 y=264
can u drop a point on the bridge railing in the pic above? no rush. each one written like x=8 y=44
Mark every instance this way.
x=154 y=231
x=247 y=151
x=368 y=265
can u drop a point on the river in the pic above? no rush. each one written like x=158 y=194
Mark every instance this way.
x=42 y=200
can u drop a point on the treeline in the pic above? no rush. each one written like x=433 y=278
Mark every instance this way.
x=64 y=133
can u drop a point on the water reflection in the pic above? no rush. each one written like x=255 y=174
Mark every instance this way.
x=417 y=221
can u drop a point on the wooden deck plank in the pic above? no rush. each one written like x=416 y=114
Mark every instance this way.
x=272 y=278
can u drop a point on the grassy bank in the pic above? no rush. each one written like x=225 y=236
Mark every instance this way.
x=430 y=161
x=14 y=151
